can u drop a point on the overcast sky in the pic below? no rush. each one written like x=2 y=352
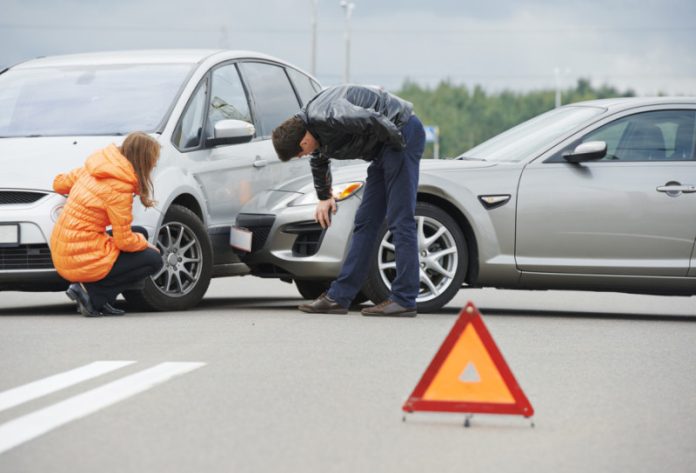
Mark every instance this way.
x=647 y=45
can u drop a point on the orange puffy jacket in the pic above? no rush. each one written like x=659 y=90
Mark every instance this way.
x=100 y=194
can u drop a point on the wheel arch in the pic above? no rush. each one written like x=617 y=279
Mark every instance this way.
x=460 y=218
x=190 y=202
x=187 y=198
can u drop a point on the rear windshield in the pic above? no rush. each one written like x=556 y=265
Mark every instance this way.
x=88 y=100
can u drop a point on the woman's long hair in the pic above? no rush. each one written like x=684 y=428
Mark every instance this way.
x=143 y=152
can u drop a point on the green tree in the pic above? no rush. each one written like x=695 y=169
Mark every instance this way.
x=468 y=117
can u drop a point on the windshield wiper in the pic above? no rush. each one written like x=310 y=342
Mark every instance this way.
x=470 y=158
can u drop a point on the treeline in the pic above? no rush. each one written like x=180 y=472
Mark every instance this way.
x=467 y=117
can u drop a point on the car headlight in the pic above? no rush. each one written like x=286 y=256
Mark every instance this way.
x=340 y=192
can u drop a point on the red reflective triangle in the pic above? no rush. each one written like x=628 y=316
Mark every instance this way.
x=469 y=374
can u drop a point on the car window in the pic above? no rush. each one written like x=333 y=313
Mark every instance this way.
x=303 y=85
x=666 y=135
x=189 y=131
x=228 y=99
x=274 y=97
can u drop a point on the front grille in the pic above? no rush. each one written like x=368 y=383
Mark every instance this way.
x=19 y=197
x=25 y=257
x=260 y=226
x=309 y=237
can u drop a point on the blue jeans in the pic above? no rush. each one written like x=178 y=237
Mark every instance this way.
x=390 y=190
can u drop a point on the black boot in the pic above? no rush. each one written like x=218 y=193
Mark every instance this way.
x=108 y=309
x=78 y=293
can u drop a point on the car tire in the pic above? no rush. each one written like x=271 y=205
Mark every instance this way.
x=445 y=273
x=313 y=289
x=188 y=265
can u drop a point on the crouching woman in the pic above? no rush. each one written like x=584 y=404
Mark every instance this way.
x=102 y=264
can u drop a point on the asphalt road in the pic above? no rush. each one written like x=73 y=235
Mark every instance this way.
x=246 y=383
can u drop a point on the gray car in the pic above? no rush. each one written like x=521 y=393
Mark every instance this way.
x=597 y=196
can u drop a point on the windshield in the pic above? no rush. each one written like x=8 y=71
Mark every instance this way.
x=87 y=100
x=532 y=137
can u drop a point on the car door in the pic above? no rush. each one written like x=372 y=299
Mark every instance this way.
x=227 y=174
x=275 y=100
x=630 y=213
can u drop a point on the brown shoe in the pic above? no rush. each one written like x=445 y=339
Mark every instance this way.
x=389 y=309
x=323 y=305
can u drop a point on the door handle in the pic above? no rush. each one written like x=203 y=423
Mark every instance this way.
x=259 y=163
x=673 y=188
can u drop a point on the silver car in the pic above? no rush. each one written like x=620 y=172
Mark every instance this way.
x=597 y=196
x=212 y=111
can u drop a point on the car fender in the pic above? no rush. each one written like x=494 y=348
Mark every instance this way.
x=493 y=228
x=169 y=185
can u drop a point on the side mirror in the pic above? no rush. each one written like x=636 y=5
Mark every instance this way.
x=231 y=132
x=590 y=151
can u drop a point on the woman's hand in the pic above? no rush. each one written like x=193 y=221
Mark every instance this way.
x=150 y=245
x=322 y=213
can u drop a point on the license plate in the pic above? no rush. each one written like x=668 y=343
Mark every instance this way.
x=240 y=238
x=9 y=235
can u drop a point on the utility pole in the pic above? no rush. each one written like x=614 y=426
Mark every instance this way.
x=314 y=37
x=557 y=72
x=348 y=9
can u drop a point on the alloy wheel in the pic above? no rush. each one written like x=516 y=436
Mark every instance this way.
x=182 y=255
x=437 y=257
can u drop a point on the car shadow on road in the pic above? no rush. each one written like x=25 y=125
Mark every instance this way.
x=41 y=310
x=575 y=314
x=213 y=303
x=273 y=303
x=291 y=303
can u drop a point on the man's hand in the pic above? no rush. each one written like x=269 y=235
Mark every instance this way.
x=323 y=210
x=150 y=245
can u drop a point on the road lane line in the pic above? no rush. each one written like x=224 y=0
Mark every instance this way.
x=28 y=392
x=30 y=426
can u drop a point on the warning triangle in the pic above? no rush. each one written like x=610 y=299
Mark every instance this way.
x=469 y=374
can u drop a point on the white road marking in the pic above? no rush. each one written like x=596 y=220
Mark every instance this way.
x=19 y=395
x=30 y=426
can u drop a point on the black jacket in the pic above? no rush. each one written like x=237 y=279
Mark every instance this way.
x=352 y=122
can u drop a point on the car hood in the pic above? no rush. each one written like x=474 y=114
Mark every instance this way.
x=358 y=172
x=33 y=163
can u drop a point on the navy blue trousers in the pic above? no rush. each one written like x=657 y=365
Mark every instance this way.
x=390 y=190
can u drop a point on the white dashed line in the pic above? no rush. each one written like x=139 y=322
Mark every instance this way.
x=30 y=426
x=20 y=395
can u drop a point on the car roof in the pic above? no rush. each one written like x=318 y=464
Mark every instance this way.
x=150 y=56
x=621 y=103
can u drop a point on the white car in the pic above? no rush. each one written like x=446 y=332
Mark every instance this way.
x=212 y=111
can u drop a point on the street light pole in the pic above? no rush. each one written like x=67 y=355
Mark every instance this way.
x=348 y=8
x=558 y=72
x=314 y=37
